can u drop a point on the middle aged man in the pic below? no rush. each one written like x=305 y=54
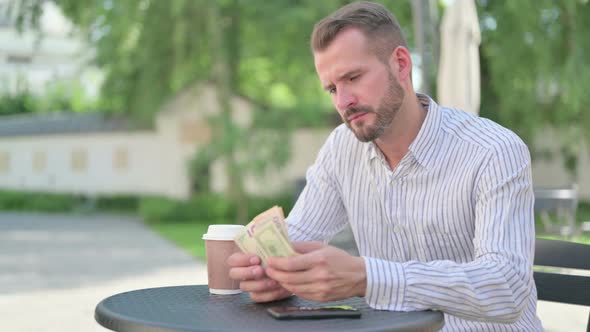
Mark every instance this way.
x=440 y=201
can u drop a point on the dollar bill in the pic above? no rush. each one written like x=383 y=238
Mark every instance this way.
x=247 y=244
x=246 y=240
x=276 y=215
x=270 y=241
x=266 y=235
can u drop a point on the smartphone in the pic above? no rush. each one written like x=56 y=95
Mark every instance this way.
x=314 y=313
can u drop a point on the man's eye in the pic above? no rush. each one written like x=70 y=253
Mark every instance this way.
x=352 y=78
x=332 y=91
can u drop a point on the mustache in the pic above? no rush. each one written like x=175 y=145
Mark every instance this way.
x=355 y=110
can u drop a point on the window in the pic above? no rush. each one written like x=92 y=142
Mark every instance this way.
x=79 y=160
x=120 y=159
x=195 y=132
x=39 y=161
x=4 y=162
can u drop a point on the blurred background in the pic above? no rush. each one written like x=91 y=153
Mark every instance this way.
x=182 y=113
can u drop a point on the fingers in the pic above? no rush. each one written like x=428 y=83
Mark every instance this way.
x=247 y=273
x=264 y=290
x=291 y=264
x=259 y=286
x=291 y=278
x=294 y=263
x=273 y=295
x=306 y=291
x=305 y=247
x=245 y=267
x=300 y=262
x=240 y=259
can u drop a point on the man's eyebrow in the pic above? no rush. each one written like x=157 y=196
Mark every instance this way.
x=343 y=76
x=349 y=73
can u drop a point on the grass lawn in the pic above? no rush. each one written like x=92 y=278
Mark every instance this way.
x=582 y=214
x=584 y=238
x=186 y=235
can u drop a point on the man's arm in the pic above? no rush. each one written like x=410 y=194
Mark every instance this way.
x=496 y=285
x=317 y=215
x=319 y=212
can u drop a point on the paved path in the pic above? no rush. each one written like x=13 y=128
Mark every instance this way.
x=54 y=269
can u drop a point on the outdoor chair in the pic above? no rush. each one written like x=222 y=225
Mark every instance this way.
x=557 y=209
x=558 y=286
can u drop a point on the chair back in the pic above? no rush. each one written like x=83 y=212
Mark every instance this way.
x=558 y=286
x=557 y=208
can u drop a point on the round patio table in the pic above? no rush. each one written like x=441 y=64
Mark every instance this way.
x=192 y=308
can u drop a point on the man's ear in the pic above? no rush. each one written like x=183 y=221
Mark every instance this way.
x=400 y=63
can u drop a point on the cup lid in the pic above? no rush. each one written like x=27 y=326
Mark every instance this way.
x=222 y=232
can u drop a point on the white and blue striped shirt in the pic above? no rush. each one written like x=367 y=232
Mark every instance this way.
x=451 y=228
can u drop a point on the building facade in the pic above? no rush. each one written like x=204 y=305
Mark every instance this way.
x=35 y=58
x=93 y=154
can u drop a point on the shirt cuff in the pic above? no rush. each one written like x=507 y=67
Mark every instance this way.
x=386 y=284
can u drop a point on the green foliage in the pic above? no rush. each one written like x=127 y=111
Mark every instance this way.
x=22 y=102
x=13 y=200
x=64 y=96
x=199 y=207
x=68 y=96
x=150 y=50
x=154 y=209
x=535 y=69
x=36 y=201
x=258 y=204
x=207 y=207
x=583 y=211
x=117 y=203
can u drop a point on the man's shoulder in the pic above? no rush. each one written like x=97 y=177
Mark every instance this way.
x=472 y=129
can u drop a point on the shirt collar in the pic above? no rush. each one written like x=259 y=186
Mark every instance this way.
x=423 y=148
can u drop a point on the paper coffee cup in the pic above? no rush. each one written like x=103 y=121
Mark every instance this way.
x=219 y=245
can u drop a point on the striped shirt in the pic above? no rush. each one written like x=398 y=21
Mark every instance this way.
x=451 y=228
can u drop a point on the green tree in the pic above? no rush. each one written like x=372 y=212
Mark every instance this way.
x=535 y=69
x=150 y=50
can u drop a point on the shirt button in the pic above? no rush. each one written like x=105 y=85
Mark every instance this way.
x=398 y=228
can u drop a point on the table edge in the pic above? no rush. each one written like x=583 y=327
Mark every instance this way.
x=117 y=322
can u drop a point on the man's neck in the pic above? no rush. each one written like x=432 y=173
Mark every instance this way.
x=395 y=142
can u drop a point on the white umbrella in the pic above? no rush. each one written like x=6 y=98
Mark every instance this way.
x=458 y=83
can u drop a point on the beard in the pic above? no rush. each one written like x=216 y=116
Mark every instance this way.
x=385 y=113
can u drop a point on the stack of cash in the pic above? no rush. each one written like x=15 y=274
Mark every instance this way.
x=266 y=236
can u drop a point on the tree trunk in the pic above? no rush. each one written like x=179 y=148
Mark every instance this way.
x=222 y=76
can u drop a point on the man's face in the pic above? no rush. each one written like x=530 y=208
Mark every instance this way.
x=364 y=90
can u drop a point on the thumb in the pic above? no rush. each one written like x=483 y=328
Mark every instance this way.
x=305 y=247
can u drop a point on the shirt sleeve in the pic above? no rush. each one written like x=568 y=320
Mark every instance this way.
x=319 y=213
x=494 y=286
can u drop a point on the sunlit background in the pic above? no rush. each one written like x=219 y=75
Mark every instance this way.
x=172 y=115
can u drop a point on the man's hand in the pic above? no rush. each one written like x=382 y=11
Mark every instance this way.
x=320 y=273
x=246 y=268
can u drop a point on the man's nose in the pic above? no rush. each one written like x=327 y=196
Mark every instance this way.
x=345 y=100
